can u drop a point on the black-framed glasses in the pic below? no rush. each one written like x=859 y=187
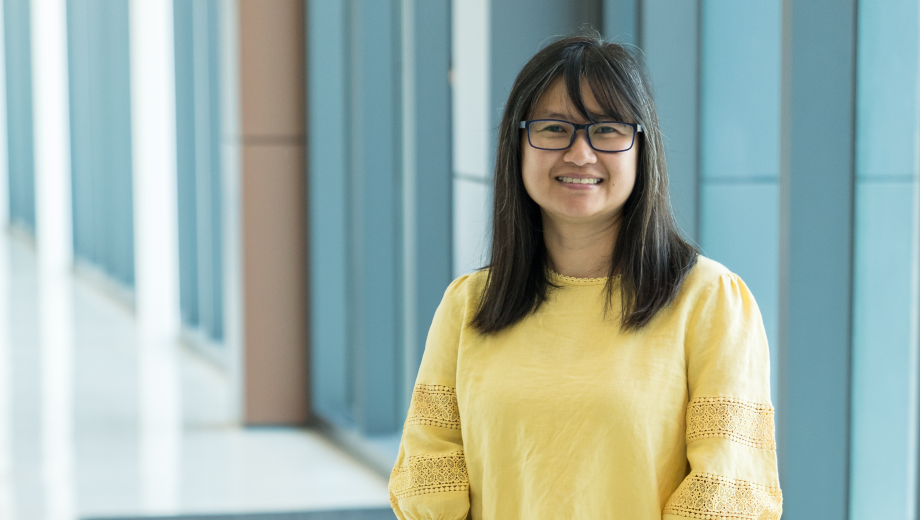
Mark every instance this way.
x=604 y=136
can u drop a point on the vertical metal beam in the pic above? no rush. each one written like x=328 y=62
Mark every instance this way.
x=816 y=215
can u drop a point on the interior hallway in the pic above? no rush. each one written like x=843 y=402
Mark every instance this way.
x=97 y=422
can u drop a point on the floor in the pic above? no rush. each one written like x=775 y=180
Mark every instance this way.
x=94 y=424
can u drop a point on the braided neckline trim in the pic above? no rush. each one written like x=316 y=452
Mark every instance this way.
x=574 y=280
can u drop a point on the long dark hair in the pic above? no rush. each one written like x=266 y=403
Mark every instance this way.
x=650 y=258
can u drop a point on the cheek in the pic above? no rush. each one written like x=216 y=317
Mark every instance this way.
x=530 y=171
x=626 y=173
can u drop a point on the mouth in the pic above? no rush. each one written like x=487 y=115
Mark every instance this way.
x=576 y=180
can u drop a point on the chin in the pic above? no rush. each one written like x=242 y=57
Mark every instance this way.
x=581 y=213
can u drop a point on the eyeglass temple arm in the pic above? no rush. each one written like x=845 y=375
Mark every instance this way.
x=524 y=125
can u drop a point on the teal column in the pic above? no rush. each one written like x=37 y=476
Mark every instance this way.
x=816 y=263
x=100 y=111
x=199 y=165
x=328 y=56
x=17 y=40
x=375 y=220
x=379 y=207
x=884 y=455
x=356 y=214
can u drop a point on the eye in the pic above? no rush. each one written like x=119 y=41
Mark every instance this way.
x=553 y=128
x=611 y=129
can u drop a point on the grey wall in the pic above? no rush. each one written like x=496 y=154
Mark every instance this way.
x=670 y=41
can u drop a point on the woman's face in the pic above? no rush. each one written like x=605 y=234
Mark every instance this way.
x=548 y=174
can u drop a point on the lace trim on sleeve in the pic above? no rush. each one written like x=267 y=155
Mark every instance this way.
x=434 y=405
x=424 y=474
x=710 y=496
x=741 y=421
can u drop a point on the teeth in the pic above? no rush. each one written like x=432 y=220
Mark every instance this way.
x=572 y=180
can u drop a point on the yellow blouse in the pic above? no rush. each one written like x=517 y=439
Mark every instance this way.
x=563 y=415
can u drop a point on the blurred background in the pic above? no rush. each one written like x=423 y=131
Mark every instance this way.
x=226 y=225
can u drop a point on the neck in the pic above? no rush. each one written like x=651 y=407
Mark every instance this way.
x=581 y=250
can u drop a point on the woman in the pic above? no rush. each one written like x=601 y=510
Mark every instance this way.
x=598 y=368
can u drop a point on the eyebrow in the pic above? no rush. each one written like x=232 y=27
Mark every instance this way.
x=556 y=115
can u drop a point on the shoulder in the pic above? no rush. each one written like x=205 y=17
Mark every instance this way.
x=704 y=273
x=466 y=287
x=462 y=296
x=707 y=280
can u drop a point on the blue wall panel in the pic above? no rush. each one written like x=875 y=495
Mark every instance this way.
x=740 y=229
x=17 y=34
x=740 y=94
x=100 y=103
x=740 y=148
x=887 y=69
x=883 y=476
x=885 y=436
x=621 y=20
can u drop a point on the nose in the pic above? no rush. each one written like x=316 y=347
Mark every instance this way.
x=580 y=153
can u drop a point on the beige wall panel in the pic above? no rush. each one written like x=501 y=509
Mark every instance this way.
x=272 y=68
x=274 y=230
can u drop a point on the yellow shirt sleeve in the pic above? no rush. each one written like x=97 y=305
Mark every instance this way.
x=731 y=446
x=430 y=479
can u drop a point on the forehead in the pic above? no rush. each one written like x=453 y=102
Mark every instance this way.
x=556 y=102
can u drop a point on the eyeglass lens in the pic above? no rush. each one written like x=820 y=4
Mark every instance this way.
x=557 y=135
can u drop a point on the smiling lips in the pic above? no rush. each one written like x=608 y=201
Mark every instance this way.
x=575 y=180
